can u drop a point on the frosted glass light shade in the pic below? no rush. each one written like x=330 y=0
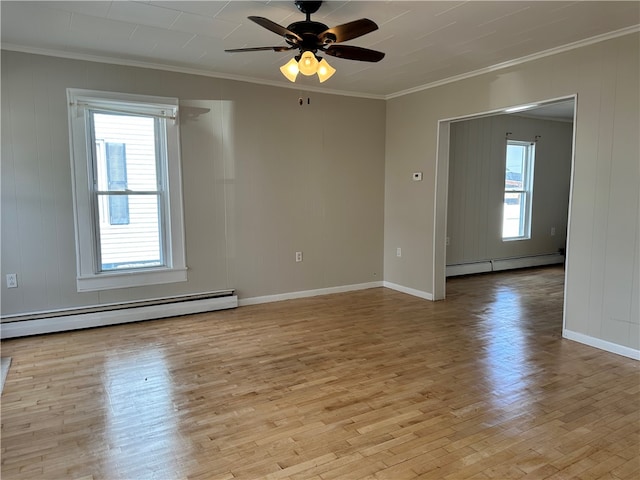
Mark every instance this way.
x=290 y=70
x=325 y=70
x=308 y=64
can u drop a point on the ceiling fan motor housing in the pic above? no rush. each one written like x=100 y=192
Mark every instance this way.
x=307 y=7
x=310 y=32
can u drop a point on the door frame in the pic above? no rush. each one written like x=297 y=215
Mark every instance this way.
x=442 y=187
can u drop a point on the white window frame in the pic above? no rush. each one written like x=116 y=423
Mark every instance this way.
x=89 y=276
x=526 y=191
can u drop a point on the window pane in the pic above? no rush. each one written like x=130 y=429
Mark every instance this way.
x=131 y=144
x=514 y=176
x=512 y=222
x=118 y=210
x=136 y=244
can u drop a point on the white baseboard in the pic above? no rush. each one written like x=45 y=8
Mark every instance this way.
x=113 y=317
x=307 y=293
x=407 y=290
x=602 y=344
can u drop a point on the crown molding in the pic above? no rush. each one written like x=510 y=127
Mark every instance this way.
x=518 y=61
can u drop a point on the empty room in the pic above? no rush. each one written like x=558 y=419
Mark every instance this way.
x=320 y=240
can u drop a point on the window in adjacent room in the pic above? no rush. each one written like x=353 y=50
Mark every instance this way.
x=127 y=189
x=518 y=190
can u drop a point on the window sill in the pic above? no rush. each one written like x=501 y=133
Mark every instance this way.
x=110 y=281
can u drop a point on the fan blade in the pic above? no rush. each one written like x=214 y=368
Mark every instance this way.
x=354 y=53
x=280 y=48
x=275 y=28
x=348 y=31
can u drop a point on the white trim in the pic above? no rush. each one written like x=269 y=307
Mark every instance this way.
x=568 y=261
x=115 y=280
x=308 y=293
x=518 y=61
x=114 y=317
x=110 y=281
x=408 y=290
x=601 y=344
x=440 y=197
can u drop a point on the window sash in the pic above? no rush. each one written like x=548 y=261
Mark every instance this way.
x=150 y=235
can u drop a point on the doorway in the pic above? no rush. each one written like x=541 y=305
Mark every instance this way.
x=559 y=108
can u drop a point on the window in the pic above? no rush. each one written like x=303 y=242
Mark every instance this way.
x=127 y=189
x=518 y=190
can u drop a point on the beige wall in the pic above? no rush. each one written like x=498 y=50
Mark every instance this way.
x=603 y=277
x=263 y=178
x=476 y=187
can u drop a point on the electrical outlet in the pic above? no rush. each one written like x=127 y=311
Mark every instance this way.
x=12 y=280
x=553 y=231
x=398 y=252
x=298 y=256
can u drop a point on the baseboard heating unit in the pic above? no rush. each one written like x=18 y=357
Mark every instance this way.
x=504 y=264
x=36 y=323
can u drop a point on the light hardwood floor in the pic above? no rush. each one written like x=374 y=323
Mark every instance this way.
x=370 y=384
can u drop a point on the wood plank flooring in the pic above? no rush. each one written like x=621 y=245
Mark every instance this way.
x=371 y=384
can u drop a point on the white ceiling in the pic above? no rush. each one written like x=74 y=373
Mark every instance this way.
x=425 y=42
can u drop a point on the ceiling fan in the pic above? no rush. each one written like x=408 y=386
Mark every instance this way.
x=311 y=37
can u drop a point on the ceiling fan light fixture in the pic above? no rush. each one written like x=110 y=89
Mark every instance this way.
x=308 y=64
x=290 y=70
x=325 y=71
